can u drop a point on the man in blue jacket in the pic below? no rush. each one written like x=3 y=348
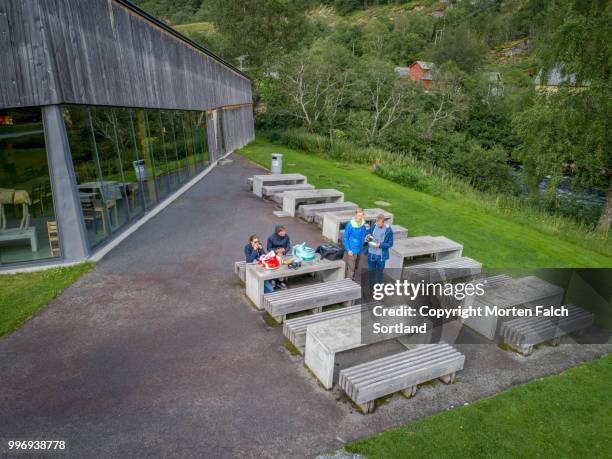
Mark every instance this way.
x=354 y=238
x=380 y=239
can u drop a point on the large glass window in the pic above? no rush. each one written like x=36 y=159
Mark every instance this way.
x=126 y=160
x=28 y=229
x=200 y=142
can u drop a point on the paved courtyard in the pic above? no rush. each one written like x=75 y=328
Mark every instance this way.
x=156 y=351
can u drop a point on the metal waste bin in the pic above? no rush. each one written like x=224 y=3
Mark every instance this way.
x=277 y=163
x=139 y=169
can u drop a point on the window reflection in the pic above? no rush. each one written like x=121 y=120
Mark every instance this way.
x=126 y=160
x=28 y=229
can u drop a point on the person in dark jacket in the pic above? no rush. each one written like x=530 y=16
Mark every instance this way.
x=252 y=252
x=279 y=242
x=380 y=240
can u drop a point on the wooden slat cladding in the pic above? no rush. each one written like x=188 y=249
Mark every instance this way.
x=99 y=52
x=238 y=126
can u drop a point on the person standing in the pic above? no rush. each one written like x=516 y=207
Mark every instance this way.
x=253 y=251
x=380 y=240
x=354 y=238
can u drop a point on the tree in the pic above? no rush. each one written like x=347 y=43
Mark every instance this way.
x=449 y=100
x=315 y=85
x=381 y=97
x=260 y=29
x=462 y=46
x=568 y=131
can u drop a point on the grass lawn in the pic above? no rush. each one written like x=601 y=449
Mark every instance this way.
x=493 y=239
x=567 y=415
x=24 y=294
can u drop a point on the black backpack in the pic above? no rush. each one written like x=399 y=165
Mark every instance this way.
x=330 y=251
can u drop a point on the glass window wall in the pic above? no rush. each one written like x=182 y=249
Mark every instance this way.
x=126 y=160
x=28 y=229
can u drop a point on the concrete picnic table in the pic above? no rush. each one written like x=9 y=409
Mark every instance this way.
x=438 y=248
x=256 y=275
x=334 y=222
x=259 y=181
x=525 y=293
x=292 y=199
x=324 y=340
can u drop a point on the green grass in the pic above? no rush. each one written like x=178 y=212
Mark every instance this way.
x=197 y=27
x=566 y=415
x=494 y=239
x=24 y=294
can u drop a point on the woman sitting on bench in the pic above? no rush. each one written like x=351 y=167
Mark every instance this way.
x=252 y=252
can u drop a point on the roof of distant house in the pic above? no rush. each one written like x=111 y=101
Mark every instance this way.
x=425 y=65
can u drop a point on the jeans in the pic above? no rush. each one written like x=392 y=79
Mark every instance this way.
x=376 y=264
x=268 y=286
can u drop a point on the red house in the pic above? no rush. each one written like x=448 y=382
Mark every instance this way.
x=423 y=72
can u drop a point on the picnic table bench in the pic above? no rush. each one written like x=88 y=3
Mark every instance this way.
x=315 y=212
x=275 y=179
x=275 y=192
x=293 y=199
x=524 y=333
x=324 y=340
x=399 y=232
x=524 y=292
x=328 y=270
x=445 y=270
x=295 y=329
x=403 y=372
x=421 y=249
x=310 y=297
x=240 y=270
x=334 y=222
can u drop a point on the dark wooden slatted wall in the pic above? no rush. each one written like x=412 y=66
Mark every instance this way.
x=97 y=52
x=238 y=127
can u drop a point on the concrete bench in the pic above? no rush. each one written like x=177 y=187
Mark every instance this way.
x=400 y=372
x=275 y=192
x=327 y=340
x=399 y=232
x=240 y=270
x=293 y=199
x=445 y=270
x=310 y=297
x=525 y=332
x=421 y=249
x=295 y=329
x=524 y=293
x=315 y=212
x=497 y=279
x=259 y=181
x=334 y=222
x=326 y=270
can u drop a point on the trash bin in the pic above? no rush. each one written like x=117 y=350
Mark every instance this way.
x=139 y=169
x=277 y=163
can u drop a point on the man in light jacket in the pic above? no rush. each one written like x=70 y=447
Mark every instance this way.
x=354 y=238
x=380 y=240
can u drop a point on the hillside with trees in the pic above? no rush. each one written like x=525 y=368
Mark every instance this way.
x=513 y=96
